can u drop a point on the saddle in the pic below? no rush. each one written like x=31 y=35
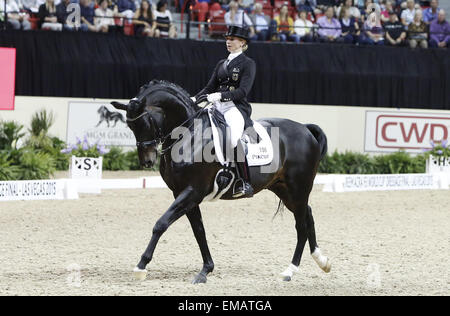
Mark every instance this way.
x=256 y=144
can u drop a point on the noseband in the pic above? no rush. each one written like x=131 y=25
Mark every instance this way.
x=160 y=139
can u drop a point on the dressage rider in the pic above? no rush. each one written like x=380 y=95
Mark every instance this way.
x=227 y=90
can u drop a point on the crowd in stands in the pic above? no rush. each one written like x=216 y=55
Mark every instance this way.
x=413 y=23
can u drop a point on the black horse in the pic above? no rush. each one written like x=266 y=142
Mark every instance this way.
x=161 y=107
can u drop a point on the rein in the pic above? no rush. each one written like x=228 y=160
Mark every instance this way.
x=160 y=140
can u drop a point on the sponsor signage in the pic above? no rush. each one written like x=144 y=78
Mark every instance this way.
x=412 y=132
x=386 y=182
x=100 y=123
x=7 y=77
x=32 y=190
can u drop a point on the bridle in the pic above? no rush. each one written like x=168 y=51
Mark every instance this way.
x=160 y=137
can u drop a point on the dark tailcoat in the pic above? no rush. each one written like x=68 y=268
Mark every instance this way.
x=234 y=82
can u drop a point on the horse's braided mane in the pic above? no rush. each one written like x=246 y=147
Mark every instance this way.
x=171 y=88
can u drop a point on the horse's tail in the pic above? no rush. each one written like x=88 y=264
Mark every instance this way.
x=321 y=138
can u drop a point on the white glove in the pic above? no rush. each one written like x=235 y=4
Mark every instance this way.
x=214 y=97
x=193 y=99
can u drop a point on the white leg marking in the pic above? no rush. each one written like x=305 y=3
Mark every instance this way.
x=321 y=260
x=289 y=272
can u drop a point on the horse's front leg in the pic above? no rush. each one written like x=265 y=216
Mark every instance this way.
x=185 y=201
x=195 y=218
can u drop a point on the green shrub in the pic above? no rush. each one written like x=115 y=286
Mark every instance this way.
x=35 y=165
x=40 y=124
x=115 y=159
x=10 y=134
x=133 y=160
x=8 y=172
x=356 y=163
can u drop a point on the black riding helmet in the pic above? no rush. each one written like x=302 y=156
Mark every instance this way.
x=237 y=31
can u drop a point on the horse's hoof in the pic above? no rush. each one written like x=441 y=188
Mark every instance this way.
x=327 y=267
x=139 y=275
x=199 y=278
x=287 y=278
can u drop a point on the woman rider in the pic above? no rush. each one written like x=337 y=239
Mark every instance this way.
x=227 y=90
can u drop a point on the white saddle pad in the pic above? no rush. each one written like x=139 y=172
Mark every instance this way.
x=259 y=154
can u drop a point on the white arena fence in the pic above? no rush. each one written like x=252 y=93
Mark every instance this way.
x=62 y=189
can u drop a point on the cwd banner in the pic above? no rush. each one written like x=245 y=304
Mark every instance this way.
x=7 y=77
x=412 y=132
x=99 y=123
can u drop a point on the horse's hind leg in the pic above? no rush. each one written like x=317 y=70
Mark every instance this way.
x=323 y=262
x=195 y=218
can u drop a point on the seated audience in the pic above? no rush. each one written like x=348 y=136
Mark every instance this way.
x=329 y=27
x=104 y=17
x=143 y=20
x=246 y=5
x=87 y=13
x=440 y=31
x=431 y=13
x=47 y=16
x=261 y=23
x=386 y=11
x=30 y=6
x=163 y=26
x=408 y=14
x=63 y=14
x=308 y=6
x=354 y=11
x=349 y=26
x=372 y=34
x=285 y=26
x=238 y=17
x=126 y=8
x=418 y=32
x=395 y=31
x=303 y=27
x=16 y=19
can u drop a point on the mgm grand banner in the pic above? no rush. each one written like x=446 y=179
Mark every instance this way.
x=99 y=123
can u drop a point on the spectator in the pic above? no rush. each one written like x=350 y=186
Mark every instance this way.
x=395 y=31
x=308 y=6
x=349 y=26
x=104 y=17
x=47 y=16
x=372 y=34
x=408 y=14
x=303 y=27
x=324 y=4
x=16 y=19
x=329 y=27
x=143 y=20
x=163 y=26
x=440 y=31
x=87 y=13
x=354 y=11
x=285 y=26
x=431 y=13
x=418 y=31
x=261 y=23
x=238 y=17
x=386 y=11
x=246 y=5
x=30 y=6
x=62 y=13
x=126 y=8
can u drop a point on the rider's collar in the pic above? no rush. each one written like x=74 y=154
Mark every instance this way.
x=233 y=56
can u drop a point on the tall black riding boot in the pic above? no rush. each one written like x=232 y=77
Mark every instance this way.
x=242 y=186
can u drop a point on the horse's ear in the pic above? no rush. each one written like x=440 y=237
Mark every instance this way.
x=119 y=106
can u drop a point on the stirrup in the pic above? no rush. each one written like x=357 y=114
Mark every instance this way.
x=245 y=190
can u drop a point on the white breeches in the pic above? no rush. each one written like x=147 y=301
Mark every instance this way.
x=234 y=120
